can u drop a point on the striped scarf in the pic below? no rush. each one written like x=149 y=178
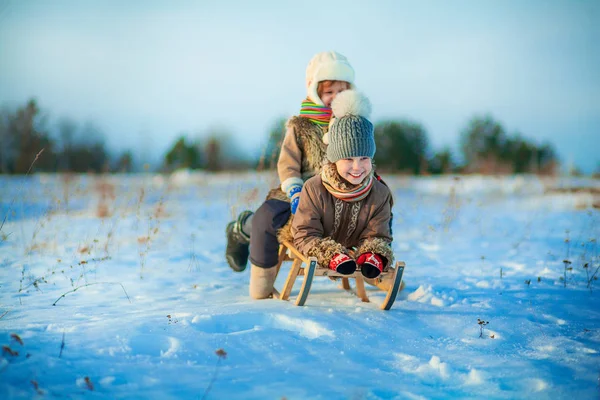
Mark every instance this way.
x=317 y=114
x=343 y=190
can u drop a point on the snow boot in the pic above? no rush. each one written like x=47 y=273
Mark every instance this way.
x=238 y=243
x=262 y=281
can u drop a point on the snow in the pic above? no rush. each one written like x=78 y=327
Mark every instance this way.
x=156 y=301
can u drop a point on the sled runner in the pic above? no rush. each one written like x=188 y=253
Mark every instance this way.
x=309 y=268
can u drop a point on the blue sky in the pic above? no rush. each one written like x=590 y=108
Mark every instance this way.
x=146 y=71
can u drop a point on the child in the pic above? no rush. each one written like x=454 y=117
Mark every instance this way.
x=301 y=157
x=346 y=206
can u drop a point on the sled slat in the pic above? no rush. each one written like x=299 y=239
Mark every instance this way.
x=307 y=282
x=289 y=282
x=281 y=258
x=393 y=292
x=346 y=284
x=295 y=252
x=360 y=289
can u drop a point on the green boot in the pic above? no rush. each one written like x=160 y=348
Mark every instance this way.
x=238 y=243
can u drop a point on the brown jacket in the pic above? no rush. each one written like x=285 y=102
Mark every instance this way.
x=302 y=155
x=324 y=226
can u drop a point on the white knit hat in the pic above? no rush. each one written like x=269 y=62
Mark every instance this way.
x=327 y=66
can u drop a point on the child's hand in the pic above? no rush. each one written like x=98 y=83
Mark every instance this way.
x=294 y=195
x=371 y=264
x=343 y=264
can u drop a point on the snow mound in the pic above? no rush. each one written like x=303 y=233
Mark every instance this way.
x=424 y=295
x=304 y=327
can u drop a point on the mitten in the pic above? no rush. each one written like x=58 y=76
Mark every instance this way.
x=343 y=264
x=371 y=264
x=294 y=194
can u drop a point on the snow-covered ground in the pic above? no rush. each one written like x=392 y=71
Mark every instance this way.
x=158 y=314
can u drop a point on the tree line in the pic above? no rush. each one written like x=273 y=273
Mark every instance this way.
x=485 y=145
x=486 y=148
x=402 y=147
x=70 y=148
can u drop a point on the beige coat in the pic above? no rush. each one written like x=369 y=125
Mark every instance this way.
x=302 y=154
x=324 y=226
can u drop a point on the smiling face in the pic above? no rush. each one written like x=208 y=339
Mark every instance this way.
x=354 y=169
x=327 y=90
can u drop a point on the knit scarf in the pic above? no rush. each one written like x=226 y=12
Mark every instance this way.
x=317 y=114
x=342 y=189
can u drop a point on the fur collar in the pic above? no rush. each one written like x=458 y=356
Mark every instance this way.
x=310 y=140
x=331 y=175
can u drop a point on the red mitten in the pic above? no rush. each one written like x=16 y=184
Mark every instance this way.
x=371 y=264
x=343 y=264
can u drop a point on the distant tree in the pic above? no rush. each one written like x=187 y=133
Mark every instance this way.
x=124 y=162
x=441 y=162
x=223 y=152
x=522 y=154
x=7 y=146
x=87 y=153
x=401 y=146
x=94 y=137
x=24 y=136
x=182 y=155
x=270 y=153
x=547 y=160
x=212 y=150
x=484 y=145
x=488 y=149
x=67 y=129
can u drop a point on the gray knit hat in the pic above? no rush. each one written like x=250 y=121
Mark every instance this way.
x=350 y=132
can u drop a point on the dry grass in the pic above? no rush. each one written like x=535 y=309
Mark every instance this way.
x=106 y=193
x=452 y=209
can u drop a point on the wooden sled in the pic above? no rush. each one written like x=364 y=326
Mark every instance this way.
x=309 y=268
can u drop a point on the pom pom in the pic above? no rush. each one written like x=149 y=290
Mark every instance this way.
x=351 y=102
